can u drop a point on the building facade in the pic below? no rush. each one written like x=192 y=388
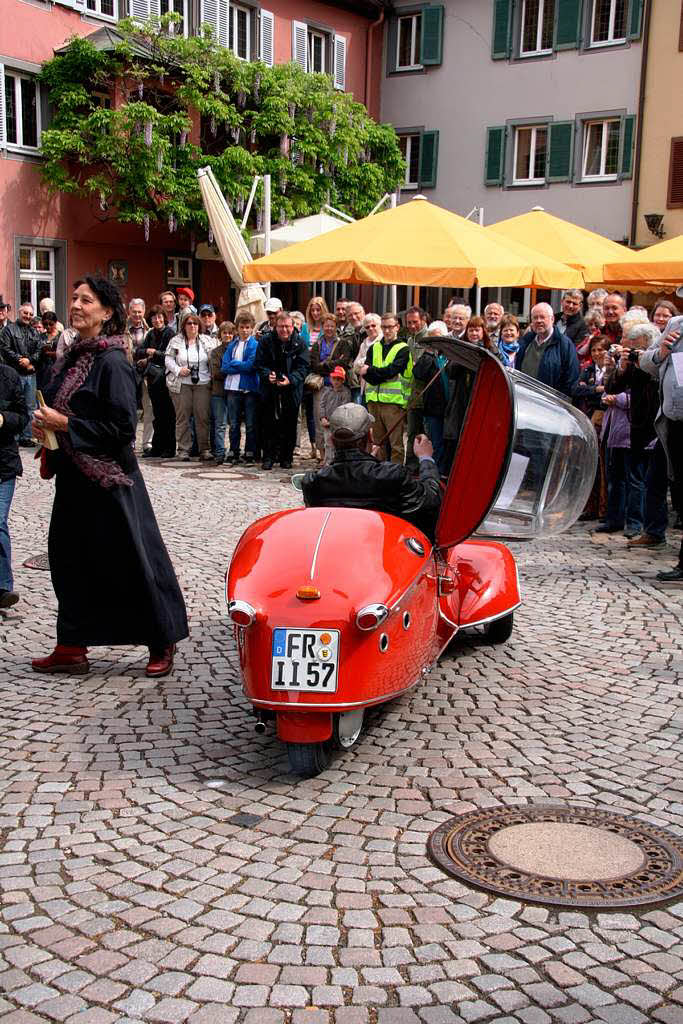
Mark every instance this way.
x=659 y=176
x=47 y=241
x=505 y=105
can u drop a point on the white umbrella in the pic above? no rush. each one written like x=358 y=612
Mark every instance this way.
x=231 y=244
x=299 y=230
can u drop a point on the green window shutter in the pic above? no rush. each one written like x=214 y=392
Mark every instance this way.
x=567 y=24
x=635 y=19
x=627 y=139
x=392 y=43
x=501 y=37
x=495 y=156
x=429 y=155
x=431 y=40
x=560 y=150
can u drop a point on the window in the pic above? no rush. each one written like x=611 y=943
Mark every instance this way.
x=608 y=23
x=179 y=271
x=601 y=149
x=22 y=111
x=102 y=8
x=239 y=39
x=538 y=20
x=674 y=199
x=531 y=151
x=176 y=28
x=317 y=45
x=36 y=274
x=410 y=151
x=408 y=42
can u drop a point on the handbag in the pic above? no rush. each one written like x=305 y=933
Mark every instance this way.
x=153 y=373
x=314 y=382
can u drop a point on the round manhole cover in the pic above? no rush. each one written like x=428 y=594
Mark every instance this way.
x=566 y=856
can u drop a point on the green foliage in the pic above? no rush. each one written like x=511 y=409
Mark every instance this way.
x=126 y=146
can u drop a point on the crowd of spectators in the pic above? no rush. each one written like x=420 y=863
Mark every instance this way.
x=246 y=393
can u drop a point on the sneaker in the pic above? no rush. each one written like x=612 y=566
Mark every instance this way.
x=184 y=457
x=630 y=534
x=249 y=459
x=206 y=457
x=8 y=598
x=267 y=464
x=231 y=459
x=646 y=540
x=672 y=576
x=606 y=528
x=219 y=460
x=148 y=454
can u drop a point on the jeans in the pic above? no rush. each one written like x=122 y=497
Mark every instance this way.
x=625 y=489
x=656 y=517
x=434 y=428
x=6 y=495
x=29 y=385
x=308 y=402
x=219 y=416
x=243 y=406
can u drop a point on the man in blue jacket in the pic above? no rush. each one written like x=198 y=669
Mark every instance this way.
x=547 y=354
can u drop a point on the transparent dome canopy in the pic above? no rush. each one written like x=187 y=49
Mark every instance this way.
x=552 y=466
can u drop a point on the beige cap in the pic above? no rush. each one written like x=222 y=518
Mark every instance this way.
x=350 y=422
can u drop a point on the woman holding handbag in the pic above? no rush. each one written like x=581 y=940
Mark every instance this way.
x=150 y=362
x=188 y=378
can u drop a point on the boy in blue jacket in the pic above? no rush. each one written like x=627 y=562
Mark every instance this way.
x=242 y=391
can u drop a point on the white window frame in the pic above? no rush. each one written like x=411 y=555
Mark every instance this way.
x=176 y=278
x=412 y=139
x=234 y=10
x=97 y=13
x=173 y=29
x=19 y=146
x=538 y=50
x=611 y=39
x=603 y=149
x=33 y=275
x=415 y=57
x=533 y=128
x=311 y=36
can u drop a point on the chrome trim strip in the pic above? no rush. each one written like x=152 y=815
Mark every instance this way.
x=318 y=543
x=336 y=706
x=492 y=618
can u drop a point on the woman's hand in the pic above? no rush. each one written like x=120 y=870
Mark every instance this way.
x=609 y=399
x=45 y=418
x=184 y=371
x=141 y=364
x=151 y=352
x=666 y=345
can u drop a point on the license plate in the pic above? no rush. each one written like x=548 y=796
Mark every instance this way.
x=305 y=659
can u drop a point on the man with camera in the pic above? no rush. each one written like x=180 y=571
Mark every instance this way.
x=282 y=363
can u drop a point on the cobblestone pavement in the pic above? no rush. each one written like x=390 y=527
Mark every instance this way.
x=160 y=864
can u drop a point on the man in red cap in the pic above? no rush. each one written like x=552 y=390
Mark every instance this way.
x=185 y=304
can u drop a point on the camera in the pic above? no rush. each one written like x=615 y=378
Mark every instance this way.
x=194 y=374
x=633 y=355
x=614 y=351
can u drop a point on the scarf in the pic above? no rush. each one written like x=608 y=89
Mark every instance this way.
x=104 y=471
x=508 y=350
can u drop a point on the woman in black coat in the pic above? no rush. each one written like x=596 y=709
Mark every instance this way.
x=110 y=569
x=150 y=361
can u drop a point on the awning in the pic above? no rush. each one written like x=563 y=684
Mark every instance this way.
x=300 y=230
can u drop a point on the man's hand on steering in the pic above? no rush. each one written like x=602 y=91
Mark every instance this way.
x=422 y=446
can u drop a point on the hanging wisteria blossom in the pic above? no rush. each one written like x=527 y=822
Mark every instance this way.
x=333 y=126
x=183 y=139
x=145 y=223
x=210 y=237
x=148 y=133
x=241 y=98
x=346 y=156
x=213 y=124
x=141 y=90
x=257 y=86
x=235 y=133
x=103 y=202
x=216 y=81
x=284 y=144
x=240 y=206
x=253 y=136
x=162 y=79
x=160 y=159
x=283 y=216
x=259 y=220
x=171 y=222
x=292 y=110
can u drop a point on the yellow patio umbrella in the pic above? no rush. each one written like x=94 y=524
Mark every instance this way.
x=564 y=241
x=416 y=243
x=660 y=263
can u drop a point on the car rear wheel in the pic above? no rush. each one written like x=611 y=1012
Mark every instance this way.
x=500 y=630
x=307 y=759
x=347 y=727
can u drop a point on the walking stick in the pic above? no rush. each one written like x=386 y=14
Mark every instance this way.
x=405 y=412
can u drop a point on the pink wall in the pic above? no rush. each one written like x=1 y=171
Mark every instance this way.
x=32 y=33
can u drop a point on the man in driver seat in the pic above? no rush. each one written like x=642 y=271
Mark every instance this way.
x=356 y=479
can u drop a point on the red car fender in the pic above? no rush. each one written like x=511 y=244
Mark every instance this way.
x=487 y=581
x=304 y=726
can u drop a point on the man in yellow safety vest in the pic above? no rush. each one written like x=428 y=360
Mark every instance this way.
x=388 y=371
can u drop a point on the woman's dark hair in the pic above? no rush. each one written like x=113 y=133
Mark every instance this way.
x=600 y=339
x=509 y=320
x=48 y=317
x=109 y=296
x=191 y=319
x=478 y=321
x=156 y=311
x=665 y=304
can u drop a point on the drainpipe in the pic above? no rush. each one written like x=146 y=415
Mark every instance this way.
x=368 y=57
x=639 y=129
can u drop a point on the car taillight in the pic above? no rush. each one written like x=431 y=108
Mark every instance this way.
x=372 y=616
x=241 y=613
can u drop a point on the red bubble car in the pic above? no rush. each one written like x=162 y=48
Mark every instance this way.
x=338 y=609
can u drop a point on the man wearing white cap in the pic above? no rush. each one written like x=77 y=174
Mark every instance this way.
x=272 y=307
x=356 y=479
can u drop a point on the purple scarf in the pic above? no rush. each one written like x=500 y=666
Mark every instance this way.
x=103 y=470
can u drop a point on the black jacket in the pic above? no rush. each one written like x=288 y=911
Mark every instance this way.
x=559 y=367
x=584 y=395
x=17 y=341
x=15 y=417
x=435 y=398
x=575 y=327
x=157 y=340
x=290 y=359
x=644 y=402
x=358 y=480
